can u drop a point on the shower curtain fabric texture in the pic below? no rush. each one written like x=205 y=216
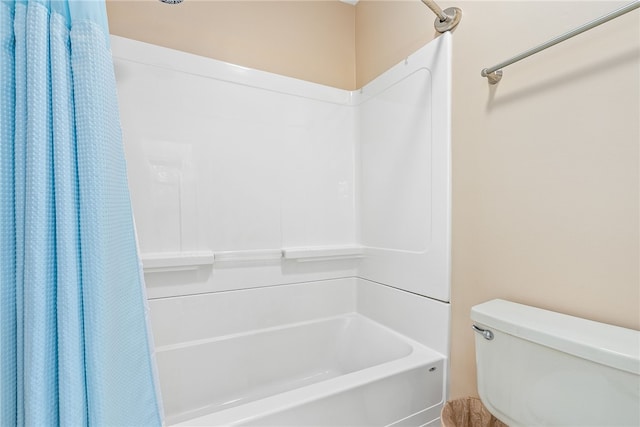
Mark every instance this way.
x=74 y=344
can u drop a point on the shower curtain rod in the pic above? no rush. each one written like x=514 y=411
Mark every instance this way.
x=494 y=74
x=446 y=19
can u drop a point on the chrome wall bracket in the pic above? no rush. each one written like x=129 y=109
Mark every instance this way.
x=454 y=15
x=486 y=333
x=446 y=20
x=494 y=77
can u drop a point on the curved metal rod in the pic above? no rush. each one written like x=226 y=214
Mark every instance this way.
x=494 y=74
x=436 y=9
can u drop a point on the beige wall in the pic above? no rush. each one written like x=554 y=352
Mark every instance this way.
x=546 y=168
x=545 y=164
x=305 y=39
x=388 y=31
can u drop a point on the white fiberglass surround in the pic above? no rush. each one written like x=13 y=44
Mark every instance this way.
x=281 y=223
x=274 y=180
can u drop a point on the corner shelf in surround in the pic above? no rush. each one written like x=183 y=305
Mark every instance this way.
x=322 y=253
x=176 y=261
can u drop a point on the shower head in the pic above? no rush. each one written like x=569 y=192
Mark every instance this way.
x=171 y=1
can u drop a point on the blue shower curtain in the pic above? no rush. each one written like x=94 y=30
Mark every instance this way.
x=73 y=339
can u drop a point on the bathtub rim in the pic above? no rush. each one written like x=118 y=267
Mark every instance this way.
x=324 y=389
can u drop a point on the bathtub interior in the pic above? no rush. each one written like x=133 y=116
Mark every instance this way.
x=337 y=351
x=245 y=367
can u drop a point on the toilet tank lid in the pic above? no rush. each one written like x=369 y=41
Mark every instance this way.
x=599 y=342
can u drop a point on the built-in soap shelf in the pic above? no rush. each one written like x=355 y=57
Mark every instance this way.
x=322 y=253
x=176 y=261
x=180 y=261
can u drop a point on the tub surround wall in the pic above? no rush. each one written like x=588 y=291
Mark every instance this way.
x=235 y=162
x=284 y=181
x=197 y=317
x=405 y=173
x=269 y=190
x=421 y=319
x=188 y=318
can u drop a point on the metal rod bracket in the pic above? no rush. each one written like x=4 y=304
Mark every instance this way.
x=454 y=15
x=494 y=77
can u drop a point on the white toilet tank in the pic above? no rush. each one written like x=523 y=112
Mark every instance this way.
x=542 y=368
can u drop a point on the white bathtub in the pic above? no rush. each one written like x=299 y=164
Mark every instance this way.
x=345 y=370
